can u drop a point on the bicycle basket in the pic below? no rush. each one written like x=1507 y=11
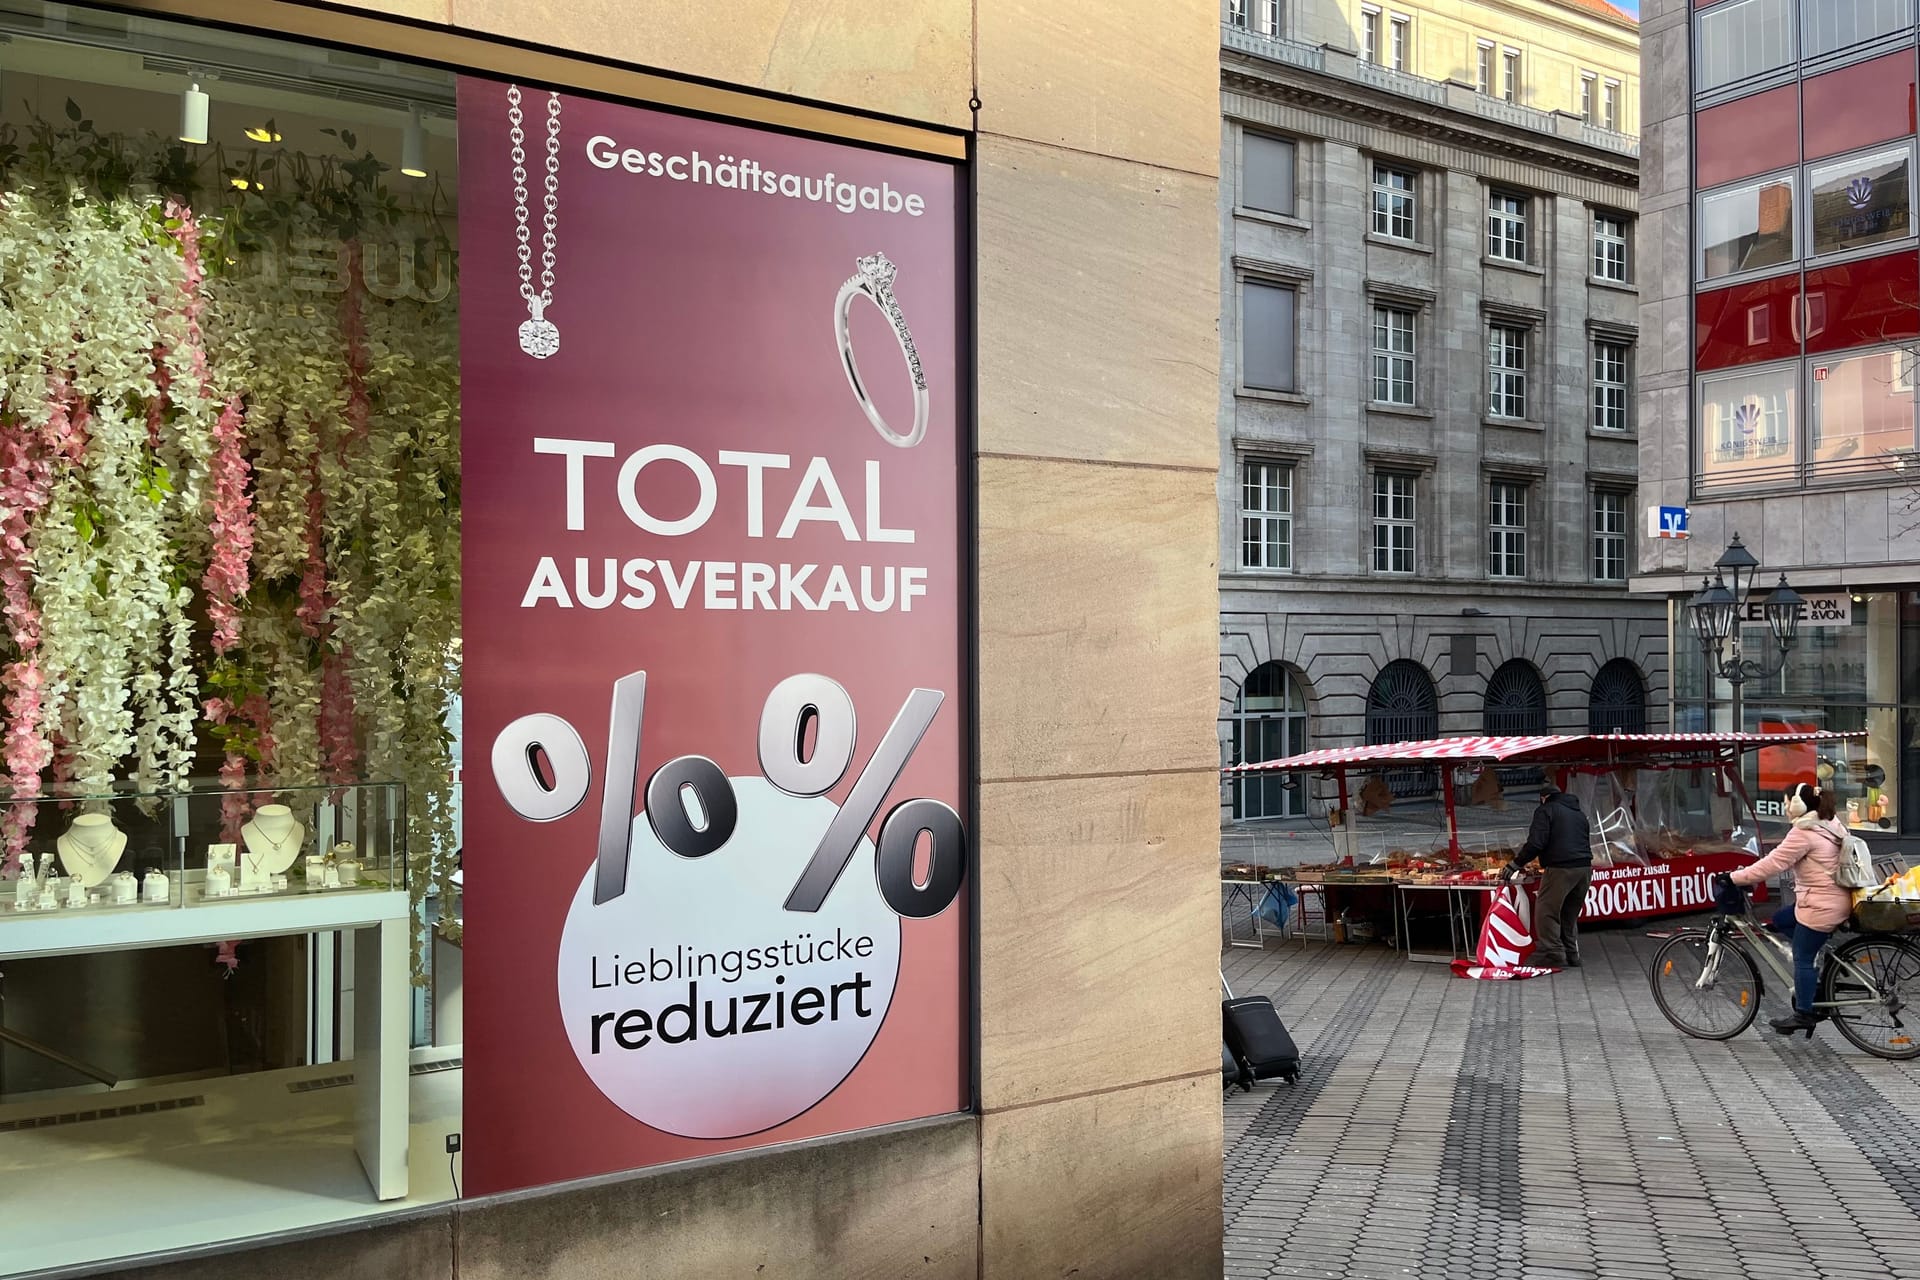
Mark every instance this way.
x=1887 y=915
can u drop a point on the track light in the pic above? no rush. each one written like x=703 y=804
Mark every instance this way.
x=193 y=115
x=413 y=146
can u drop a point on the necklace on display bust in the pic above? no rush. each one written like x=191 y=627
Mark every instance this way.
x=272 y=840
x=91 y=848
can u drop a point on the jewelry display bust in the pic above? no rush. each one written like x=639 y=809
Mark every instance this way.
x=273 y=841
x=91 y=849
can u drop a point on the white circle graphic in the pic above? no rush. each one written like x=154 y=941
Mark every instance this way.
x=699 y=1004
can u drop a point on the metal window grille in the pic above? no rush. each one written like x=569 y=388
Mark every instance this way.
x=1516 y=705
x=1617 y=702
x=1403 y=707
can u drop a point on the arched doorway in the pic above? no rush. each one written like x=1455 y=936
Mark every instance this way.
x=1269 y=723
x=1617 y=703
x=1402 y=706
x=1516 y=707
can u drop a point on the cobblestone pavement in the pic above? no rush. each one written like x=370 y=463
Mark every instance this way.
x=1557 y=1129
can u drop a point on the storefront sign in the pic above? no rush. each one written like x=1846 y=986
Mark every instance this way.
x=1666 y=522
x=713 y=627
x=1828 y=609
x=1675 y=887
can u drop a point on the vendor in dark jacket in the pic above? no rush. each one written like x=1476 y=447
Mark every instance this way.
x=1561 y=839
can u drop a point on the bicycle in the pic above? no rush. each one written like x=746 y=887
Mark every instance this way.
x=1864 y=982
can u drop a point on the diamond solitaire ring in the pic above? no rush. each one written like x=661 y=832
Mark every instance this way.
x=875 y=281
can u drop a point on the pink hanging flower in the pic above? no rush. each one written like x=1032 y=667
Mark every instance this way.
x=227 y=577
x=228 y=954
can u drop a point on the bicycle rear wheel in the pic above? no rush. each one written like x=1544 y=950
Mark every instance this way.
x=1889 y=1027
x=1708 y=995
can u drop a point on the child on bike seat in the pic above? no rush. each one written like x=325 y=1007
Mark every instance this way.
x=1812 y=850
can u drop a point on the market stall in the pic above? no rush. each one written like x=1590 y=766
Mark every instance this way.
x=1669 y=811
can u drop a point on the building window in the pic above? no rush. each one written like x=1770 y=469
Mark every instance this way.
x=1269 y=723
x=1237 y=13
x=1587 y=83
x=1827 y=25
x=1370 y=35
x=1610 y=386
x=1859 y=201
x=1516 y=704
x=1403 y=706
x=1610 y=106
x=1266 y=173
x=1267 y=17
x=1267 y=336
x=1393 y=356
x=1485 y=80
x=1747 y=228
x=1506 y=529
x=1402 y=46
x=1740 y=38
x=1747 y=420
x=1617 y=702
x=1394 y=192
x=1507 y=227
x=1392 y=522
x=1506 y=371
x=1266 y=516
x=1609 y=247
x=1510 y=61
x=1863 y=412
x=1609 y=536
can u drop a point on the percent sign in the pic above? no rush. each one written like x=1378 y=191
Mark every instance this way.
x=691 y=805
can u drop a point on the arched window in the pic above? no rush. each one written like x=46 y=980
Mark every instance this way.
x=1516 y=706
x=1618 y=701
x=1403 y=707
x=1269 y=723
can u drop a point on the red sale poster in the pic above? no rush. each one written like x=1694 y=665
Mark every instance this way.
x=717 y=855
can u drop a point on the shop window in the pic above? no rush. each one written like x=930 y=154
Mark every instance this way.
x=1267 y=336
x=1617 y=702
x=1756 y=134
x=1610 y=535
x=1269 y=723
x=1267 y=173
x=1738 y=39
x=1748 y=228
x=1266 y=516
x=1863 y=412
x=1395 y=192
x=1860 y=201
x=1393 y=355
x=1402 y=706
x=1506 y=529
x=1831 y=25
x=1393 y=522
x=1507 y=226
x=1506 y=371
x=1746 y=424
x=1855 y=106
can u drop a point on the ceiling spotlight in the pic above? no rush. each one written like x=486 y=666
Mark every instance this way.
x=263 y=133
x=413 y=146
x=193 y=115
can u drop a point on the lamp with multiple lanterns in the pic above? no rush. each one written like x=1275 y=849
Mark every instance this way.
x=1716 y=612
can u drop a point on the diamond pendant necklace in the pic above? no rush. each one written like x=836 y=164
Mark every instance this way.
x=538 y=336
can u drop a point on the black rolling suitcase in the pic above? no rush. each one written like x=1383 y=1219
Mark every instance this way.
x=1256 y=1036
x=1231 y=1072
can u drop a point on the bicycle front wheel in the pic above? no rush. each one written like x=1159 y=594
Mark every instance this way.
x=1706 y=991
x=1883 y=1017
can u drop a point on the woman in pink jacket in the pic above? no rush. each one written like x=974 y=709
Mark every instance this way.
x=1812 y=850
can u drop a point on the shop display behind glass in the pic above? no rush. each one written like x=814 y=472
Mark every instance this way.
x=208 y=845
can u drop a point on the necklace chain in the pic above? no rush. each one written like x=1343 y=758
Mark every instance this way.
x=550 y=221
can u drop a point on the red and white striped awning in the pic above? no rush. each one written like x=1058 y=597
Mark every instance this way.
x=1582 y=748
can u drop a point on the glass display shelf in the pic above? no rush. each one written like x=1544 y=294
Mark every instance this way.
x=130 y=850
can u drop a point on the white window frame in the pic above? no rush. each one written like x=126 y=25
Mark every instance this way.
x=1237 y=13
x=1507 y=343
x=1508 y=227
x=1395 y=510
x=1267 y=17
x=1371 y=34
x=1609 y=534
x=1507 y=529
x=1609 y=246
x=1612 y=380
x=1395 y=355
x=1510 y=69
x=1400 y=42
x=1266 y=532
x=1393 y=204
x=1589 y=95
x=1610 y=95
x=1485 y=68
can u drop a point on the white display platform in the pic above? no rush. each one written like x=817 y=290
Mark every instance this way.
x=379 y=920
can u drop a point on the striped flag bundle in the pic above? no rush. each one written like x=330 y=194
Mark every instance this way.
x=1506 y=940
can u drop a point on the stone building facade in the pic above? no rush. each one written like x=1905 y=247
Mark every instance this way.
x=1428 y=438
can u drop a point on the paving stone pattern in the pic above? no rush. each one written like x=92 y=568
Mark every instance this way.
x=1557 y=1129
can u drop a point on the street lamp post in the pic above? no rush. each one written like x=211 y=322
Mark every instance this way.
x=1717 y=611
